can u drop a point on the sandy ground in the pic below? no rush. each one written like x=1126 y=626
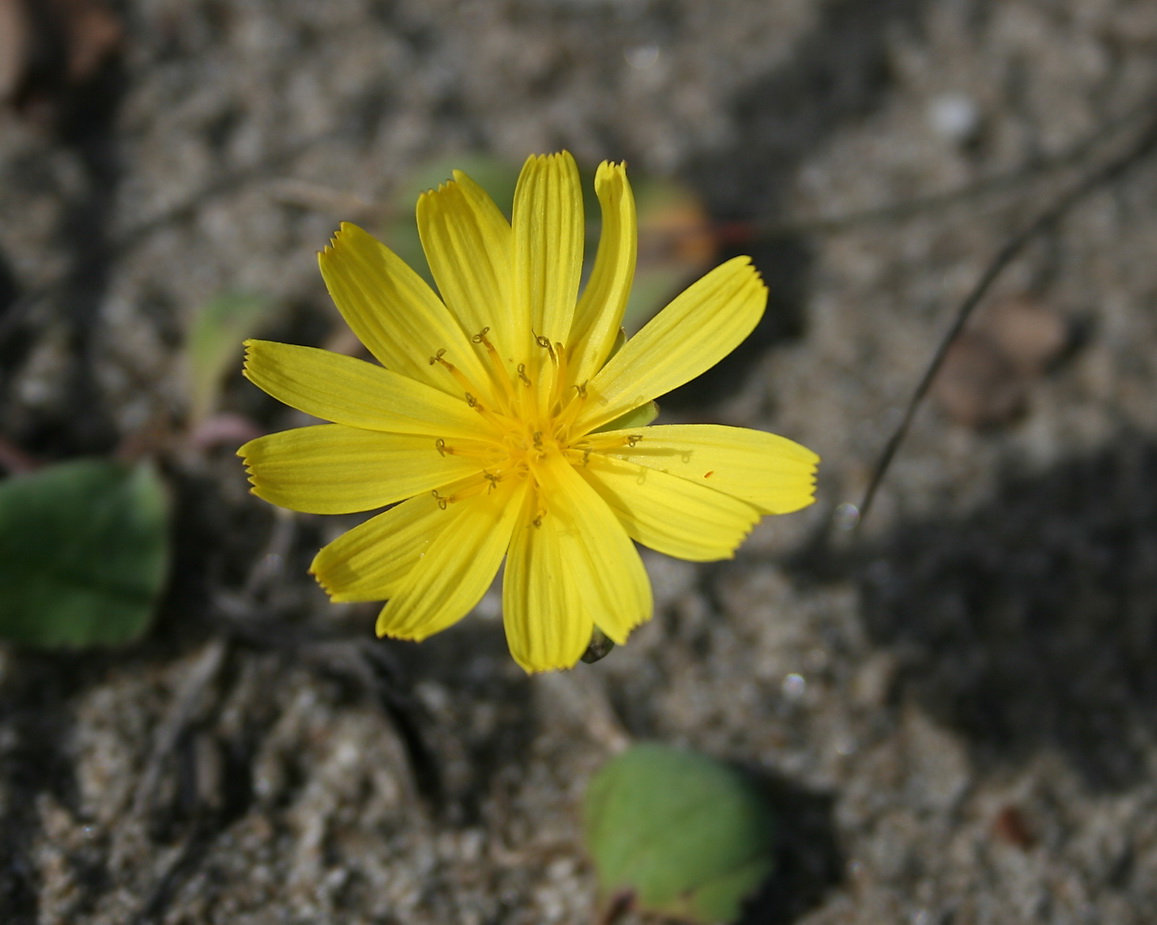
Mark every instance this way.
x=953 y=707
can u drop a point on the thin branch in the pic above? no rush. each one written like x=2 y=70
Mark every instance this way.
x=1095 y=179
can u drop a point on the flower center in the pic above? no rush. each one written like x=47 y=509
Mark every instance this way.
x=525 y=419
x=524 y=414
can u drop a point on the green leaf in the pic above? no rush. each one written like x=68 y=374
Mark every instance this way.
x=83 y=553
x=686 y=835
x=637 y=417
x=214 y=344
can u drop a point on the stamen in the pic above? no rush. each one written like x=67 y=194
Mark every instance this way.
x=492 y=479
x=579 y=454
x=545 y=344
x=567 y=415
x=438 y=356
x=444 y=501
x=556 y=392
x=442 y=448
x=498 y=372
x=522 y=374
x=459 y=377
x=609 y=442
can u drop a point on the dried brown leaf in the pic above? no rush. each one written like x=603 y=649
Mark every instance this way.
x=15 y=50
x=1030 y=332
x=978 y=385
x=93 y=33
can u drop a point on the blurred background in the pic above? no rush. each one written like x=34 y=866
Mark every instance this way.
x=952 y=707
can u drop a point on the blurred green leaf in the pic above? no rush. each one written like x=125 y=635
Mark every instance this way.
x=84 y=550
x=639 y=417
x=214 y=344
x=497 y=177
x=688 y=836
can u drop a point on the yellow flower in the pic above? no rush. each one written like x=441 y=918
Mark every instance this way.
x=504 y=423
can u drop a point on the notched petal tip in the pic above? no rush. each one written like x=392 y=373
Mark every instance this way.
x=404 y=636
x=247 y=360
x=533 y=669
x=323 y=583
x=341 y=238
x=327 y=255
x=382 y=631
x=745 y=261
x=610 y=172
x=620 y=634
x=427 y=196
x=548 y=160
x=327 y=573
x=255 y=487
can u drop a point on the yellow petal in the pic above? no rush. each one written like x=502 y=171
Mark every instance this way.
x=394 y=313
x=333 y=469
x=597 y=553
x=548 y=244
x=457 y=567
x=467 y=241
x=372 y=561
x=546 y=626
x=672 y=515
x=349 y=391
x=771 y=472
x=600 y=310
x=704 y=324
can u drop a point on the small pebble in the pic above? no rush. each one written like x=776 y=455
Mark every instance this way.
x=954 y=117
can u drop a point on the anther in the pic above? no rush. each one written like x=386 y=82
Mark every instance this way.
x=522 y=374
x=438 y=356
x=581 y=388
x=492 y=479
x=480 y=337
x=443 y=501
x=633 y=439
x=538 y=439
x=545 y=344
x=440 y=446
x=473 y=402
